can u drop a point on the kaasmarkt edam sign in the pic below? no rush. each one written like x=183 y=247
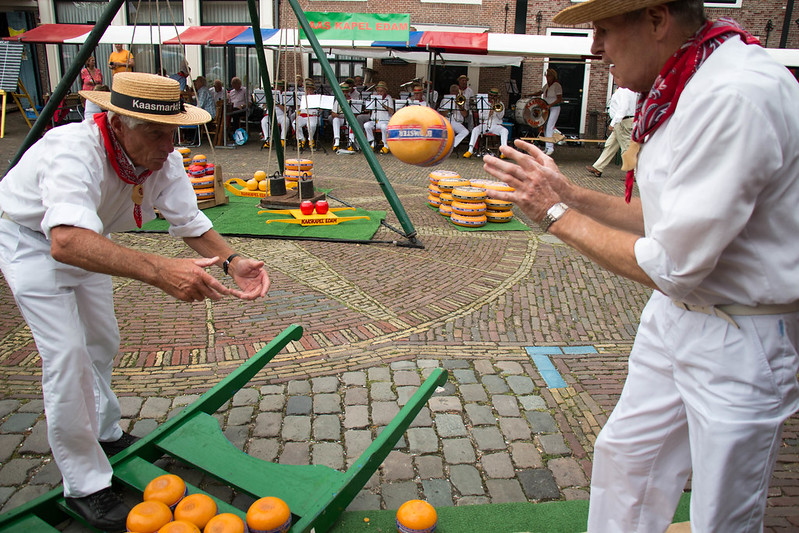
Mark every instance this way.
x=359 y=26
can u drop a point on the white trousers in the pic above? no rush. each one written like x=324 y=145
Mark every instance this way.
x=338 y=123
x=619 y=138
x=369 y=129
x=461 y=132
x=70 y=312
x=701 y=396
x=282 y=121
x=497 y=129
x=554 y=113
x=311 y=122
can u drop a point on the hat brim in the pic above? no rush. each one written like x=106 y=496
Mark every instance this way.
x=192 y=116
x=592 y=10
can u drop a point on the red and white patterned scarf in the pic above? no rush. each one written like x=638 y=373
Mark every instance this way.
x=122 y=165
x=658 y=105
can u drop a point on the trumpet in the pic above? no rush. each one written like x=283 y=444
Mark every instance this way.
x=460 y=100
x=499 y=108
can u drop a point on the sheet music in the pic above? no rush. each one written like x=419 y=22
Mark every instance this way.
x=399 y=104
x=447 y=103
x=357 y=106
x=318 y=101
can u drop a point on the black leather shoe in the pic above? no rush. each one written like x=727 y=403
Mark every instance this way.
x=103 y=510
x=114 y=447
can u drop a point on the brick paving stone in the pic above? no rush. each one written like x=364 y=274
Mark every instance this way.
x=272 y=402
x=382 y=391
x=495 y=384
x=473 y=500
x=464 y=376
x=404 y=393
x=8 y=406
x=267 y=424
x=423 y=420
x=473 y=393
x=466 y=479
x=397 y=466
x=403 y=365
x=447 y=389
x=267 y=390
x=553 y=444
x=395 y=494
x=19 y=422
x=328 y=454
x=505 y=405
x=380 y=373
x=458 y=451
x=295 y=453
x=324 y=384
x=143 y=427
x=532 y=403
x=428 y=363
x=443 y=404
x=16 y=471
x=356 y=441
x=264 y=449
x=239 y=416
x=299 y=387
x=5 y=494
x=296 y=428
x=8 y=445
x=488 y=438
x=480 y=415
x=510 y=367
x=327 y=427
x=24 y=495
x=429 y=466
x=567 y=472
x=384 y=412
x=497 y=465
x=354 y=379
x=356 y=416
x=364 y=501
x=155 y=407
x=450 y=425
x=575 y=494
x=541 y=422
x=48 y=474
x=520 y=384
x=33 y=406
x=299 y=405
x=437 y=492
x=526 y=455
x=356 y=396
x=407 y=377
x=246 y=396
x=237 y=435
x=484 y=367
x=36 y=441
x=514 y=429
x=177 y=401
x=539 y=484
x=505 y=491
x=326 y=403
x=422 y=440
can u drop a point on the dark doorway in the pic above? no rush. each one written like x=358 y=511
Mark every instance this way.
x=446 y=76
x=571 y=76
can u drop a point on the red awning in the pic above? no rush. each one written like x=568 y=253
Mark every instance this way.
x=208 y=35
x=455 y=42
x=51 y=33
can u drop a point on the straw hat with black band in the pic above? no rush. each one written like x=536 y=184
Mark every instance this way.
x=592 y=10
x=148 y=97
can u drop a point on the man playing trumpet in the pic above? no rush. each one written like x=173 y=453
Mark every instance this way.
x=456 y=116
x=490 y=122
x=380 y=115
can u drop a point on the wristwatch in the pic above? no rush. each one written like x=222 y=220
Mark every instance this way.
x=226 y=264
x=553 y=215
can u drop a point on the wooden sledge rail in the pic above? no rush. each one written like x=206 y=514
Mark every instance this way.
x=316 y=494
x=561 y=138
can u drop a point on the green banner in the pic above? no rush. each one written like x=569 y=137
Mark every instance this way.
x=358 y=26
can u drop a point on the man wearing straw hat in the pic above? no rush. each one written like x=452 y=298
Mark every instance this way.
x=712 y=373
x=58 y=205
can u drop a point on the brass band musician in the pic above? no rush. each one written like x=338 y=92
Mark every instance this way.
x=456 y=116
x=380 y=115
x=338 y=120
x=490 y=122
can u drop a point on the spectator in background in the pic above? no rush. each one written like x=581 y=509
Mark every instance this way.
x=182 y=75
x=622 y=112
x=238 y=102
x=205 y=99
x=217 y=91
x=121 y=60
x=90 y=75
x=90 y=107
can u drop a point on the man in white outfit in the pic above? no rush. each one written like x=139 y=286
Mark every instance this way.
x=338 y=120
x=552 y=93
x=621 y=111
x=490 y=122
x=58 y=205
x=280 y=115
x=456 y=116
x=712 y=373
x=381 y=113
x=307 y=116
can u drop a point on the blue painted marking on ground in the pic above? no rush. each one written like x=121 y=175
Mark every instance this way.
x=548 y=371
x=543 y=350
x=577 y=350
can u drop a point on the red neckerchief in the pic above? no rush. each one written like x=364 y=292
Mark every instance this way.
x=654 y=108
x=122 y=165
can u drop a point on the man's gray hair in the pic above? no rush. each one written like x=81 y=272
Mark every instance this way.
x=130 y=122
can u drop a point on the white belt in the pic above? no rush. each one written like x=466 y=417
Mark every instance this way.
x=726 y=312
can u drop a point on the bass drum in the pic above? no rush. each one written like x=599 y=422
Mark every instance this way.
x=532 y=111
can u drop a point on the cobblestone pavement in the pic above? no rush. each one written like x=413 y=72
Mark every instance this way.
x=377 y=318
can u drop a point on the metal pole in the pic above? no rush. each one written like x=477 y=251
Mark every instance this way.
x=371 y=158
x=270 y=104
x=69 y=76
x=786 y=24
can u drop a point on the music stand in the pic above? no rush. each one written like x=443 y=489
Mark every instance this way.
x=318 y=103
x=399 y=104
x=482 y=103
x=447 y=103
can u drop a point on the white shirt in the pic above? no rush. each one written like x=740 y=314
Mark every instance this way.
x=720 y=185
x=550 y=93
x=67 y=179
x=622 y=104
x=380 y=114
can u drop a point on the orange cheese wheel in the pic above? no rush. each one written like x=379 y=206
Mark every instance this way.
x=199 y=159
x=299 y=164
x=446 y=198
x=469 y=194
x=148 y=516
x=419 y=135
x=269 y=515
x=499 y=216
x=491 y=184
x=186 y=161
x=225 y=523
x=167 y=488
x=436 y=175
x=433 y=200
x=447 y=184
x=202 y=182
x=469 y=221
x=445 y=210
x=433 y=189
x=204 y=194
x=498 y=205
x=468 y=208
x=183 y=151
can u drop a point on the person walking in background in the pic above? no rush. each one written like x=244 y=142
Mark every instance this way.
x=552 y=93
x=712 y=374
x=121 y=60
x=621 y=111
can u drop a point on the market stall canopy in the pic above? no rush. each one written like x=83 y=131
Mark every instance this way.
x=52 y=33
x=208 y=35
x=455 y=42
x=540 y=45
x=247 y=37
x=138 y=34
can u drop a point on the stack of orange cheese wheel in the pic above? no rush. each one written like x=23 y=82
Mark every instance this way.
x=298 y=168
x=434 y=196
x=497 y=211
x=186 y=153
x=202 y=182
x=468 y=206
x=446 y=185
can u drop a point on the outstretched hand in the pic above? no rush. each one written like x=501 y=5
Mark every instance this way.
x=187 y=279
x=535 y=177
x=251 y=277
